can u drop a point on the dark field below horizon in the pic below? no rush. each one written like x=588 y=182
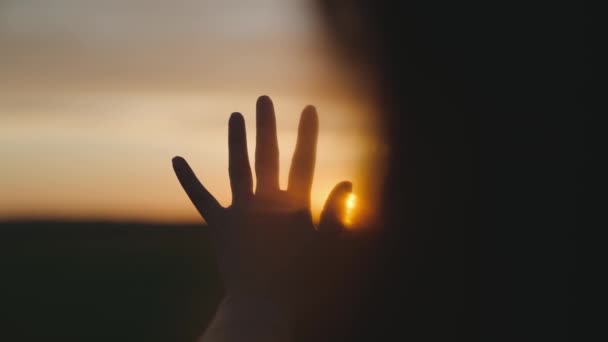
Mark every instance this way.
x=92 y=281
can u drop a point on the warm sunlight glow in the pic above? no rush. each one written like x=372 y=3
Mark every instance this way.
x=351 y=202
x=98 y=96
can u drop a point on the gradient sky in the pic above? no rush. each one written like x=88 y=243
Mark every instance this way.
x=96 y=97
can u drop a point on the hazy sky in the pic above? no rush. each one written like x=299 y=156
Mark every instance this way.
x=96 y=97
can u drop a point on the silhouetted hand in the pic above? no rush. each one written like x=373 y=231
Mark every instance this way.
x=259 y=237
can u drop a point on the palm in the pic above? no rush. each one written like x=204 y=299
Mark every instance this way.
x=260 y=241
x=259 y=236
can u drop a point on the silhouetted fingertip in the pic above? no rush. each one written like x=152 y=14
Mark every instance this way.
x=334 y=216
x=177 y=160
x=309 y=115
x=263 y=101
x=344 y=186
x=339 y=193
x=264 y=111
x=310 y=110
x=236 y=118
x=180 y=165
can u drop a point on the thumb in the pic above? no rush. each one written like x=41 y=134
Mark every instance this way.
x=334 y=211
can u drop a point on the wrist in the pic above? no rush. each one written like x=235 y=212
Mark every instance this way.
x=248 y=317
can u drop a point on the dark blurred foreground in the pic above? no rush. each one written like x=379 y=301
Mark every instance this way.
x=86 y=281
x=484 y=106
x=95 y=281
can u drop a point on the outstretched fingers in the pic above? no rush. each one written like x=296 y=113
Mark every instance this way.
x=204 y=202
x=241 y=181
x=267 y=147
x=303 y=162
x=334 y=212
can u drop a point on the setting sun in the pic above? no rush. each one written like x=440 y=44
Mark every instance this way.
x=351 y=202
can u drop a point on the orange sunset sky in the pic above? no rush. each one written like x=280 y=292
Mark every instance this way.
x=96 y=97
